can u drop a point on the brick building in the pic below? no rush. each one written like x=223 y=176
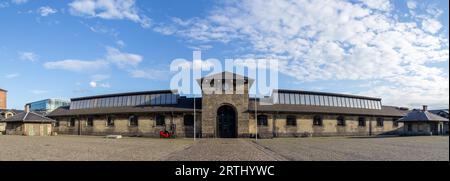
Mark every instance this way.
x=228 y=112
x=3 y=94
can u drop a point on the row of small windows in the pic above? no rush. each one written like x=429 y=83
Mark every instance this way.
x=323 y=100
x=121 y=101
x=133 y=120
x=188 y=120
x=318 y=121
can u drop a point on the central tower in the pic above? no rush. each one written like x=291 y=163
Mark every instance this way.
x=225 y=105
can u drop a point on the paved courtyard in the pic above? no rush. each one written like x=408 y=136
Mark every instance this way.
x=327 y=148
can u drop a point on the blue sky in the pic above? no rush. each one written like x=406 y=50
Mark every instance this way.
x=396 y=50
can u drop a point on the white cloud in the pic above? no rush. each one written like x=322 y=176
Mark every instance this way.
x=411 y=4
x=11 y=76
x=19 y=1
x=96 y=81
x=4 y=5
x=383 y=5
x=29 y=56
x=150 y=74
x=431 y=25
x=122 y=60
x=93 y=84
x=331 y=40
x=110 y=9
x=46 y=10
x=77 y=65
x=126 y=61
x=120 y=43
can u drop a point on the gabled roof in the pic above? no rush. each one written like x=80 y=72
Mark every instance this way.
x=28 y=117
x=422 y=116
x=15 y=111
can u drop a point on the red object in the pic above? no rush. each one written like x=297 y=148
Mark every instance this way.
x=164 y=134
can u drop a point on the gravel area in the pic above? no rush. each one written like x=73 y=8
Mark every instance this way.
x=326 y=148
x=361 y=148
x=87 y=148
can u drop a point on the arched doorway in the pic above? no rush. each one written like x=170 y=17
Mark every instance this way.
x=226 y=122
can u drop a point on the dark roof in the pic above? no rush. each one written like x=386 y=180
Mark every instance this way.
x=3 y=90
x=421 y=116
x=126 y=94
x=15 y=111
x=184 y=105
x=324 y=93
x=290 y=108
x=28 y=117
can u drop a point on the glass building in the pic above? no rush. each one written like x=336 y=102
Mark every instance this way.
x=48 y=105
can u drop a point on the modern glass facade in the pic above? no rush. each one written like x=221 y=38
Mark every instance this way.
x=48 y=104
x=325 y=100
x=125 y=101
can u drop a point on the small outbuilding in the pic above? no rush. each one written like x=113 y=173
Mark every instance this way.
x=28 y=124
x=423 y=122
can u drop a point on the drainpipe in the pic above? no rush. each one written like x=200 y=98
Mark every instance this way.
x=173 y=126
x=195 y=120
x=79 y=125
x=275 y=116
x=256 y=119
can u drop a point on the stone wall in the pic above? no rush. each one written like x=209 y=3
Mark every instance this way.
x=37 y=129
x=3 y=99
x=212 y=102
x=277 y=126
x=146 y=125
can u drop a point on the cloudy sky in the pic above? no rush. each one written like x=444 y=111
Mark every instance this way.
x=397 y=50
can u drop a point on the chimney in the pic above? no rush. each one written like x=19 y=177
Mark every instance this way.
x=425 y=108
x=27 y=108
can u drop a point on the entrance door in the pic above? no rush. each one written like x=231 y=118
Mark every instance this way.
x=226 y=122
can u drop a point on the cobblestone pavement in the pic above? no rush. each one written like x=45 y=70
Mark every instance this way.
x=87 y=148
x=360 y=148
x=224 y=150
x=330 y=148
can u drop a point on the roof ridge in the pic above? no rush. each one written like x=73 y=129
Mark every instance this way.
x=25 y=117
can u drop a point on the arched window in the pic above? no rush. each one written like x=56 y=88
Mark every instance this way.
x=262 y=120
x=362 y=121
x=318 y=120
x=291 y=121
x=380 y=122
x=133 y=120
x=340 y=121
x=188 y=120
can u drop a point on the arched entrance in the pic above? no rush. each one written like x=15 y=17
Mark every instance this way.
x=226 y=122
